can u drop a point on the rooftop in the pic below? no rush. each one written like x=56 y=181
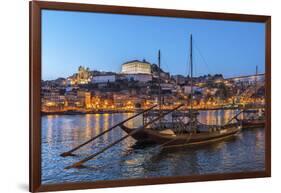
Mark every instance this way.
x=143 y=61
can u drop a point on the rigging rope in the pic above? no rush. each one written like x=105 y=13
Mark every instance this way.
x=201 y=55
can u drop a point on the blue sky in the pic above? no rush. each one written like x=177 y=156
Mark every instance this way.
x=105 y=41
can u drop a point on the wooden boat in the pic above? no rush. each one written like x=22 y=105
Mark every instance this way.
x=253 y=123
x=169 y=138
x=143 y=136
x=253 y=119
x=139 y=136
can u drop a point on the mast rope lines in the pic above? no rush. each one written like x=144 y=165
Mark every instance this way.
x=69 y=153
x=79 y=164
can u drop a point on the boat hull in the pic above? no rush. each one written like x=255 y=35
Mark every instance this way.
x=139 y=136
x=247 y=124
x=191 y=139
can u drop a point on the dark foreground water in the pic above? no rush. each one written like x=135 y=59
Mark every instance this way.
x=126 y=160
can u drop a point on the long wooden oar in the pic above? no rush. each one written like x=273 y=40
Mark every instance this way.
x=79 y=164
x=69 y=153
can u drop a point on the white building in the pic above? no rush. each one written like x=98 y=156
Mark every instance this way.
x=104 y=78
x=252 y=79
x=136 y=67
x=137 y=77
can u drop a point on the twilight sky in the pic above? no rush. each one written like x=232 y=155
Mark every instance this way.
x=105 y=41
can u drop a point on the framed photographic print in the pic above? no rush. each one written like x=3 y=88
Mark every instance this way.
x=123 y=96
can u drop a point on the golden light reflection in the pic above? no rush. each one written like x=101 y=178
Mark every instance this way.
x=88 y=130
x=97 y=123
x=259 y=139
x=106 y=125
x=50 y=120
x=227 y=116
x=219 y=117
x=208 y=117
x=66 y=125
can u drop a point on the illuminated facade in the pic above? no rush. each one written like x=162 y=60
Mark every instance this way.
x=84 y=99
x=83 y=76
x=136 y=67
x=53 y=101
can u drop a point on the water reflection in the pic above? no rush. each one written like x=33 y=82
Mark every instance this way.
x=133 y=160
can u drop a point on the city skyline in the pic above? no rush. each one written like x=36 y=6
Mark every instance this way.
x=105 y=41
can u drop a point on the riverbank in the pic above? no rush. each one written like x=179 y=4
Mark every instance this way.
x=88 y=112
x=77 y=112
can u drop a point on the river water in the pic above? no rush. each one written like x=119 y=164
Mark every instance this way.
x=129 y=159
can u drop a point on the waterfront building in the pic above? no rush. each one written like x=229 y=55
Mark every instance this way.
x=119 y=99
x=127 y=102
x=71 y=100
x=96 y=102
x=136 y=67
x=84 y=99
x=52 y=100
x=88 y=102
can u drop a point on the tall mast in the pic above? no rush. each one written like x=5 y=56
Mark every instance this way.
x=191 y=72
x=256 y=84
x=159 y=81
